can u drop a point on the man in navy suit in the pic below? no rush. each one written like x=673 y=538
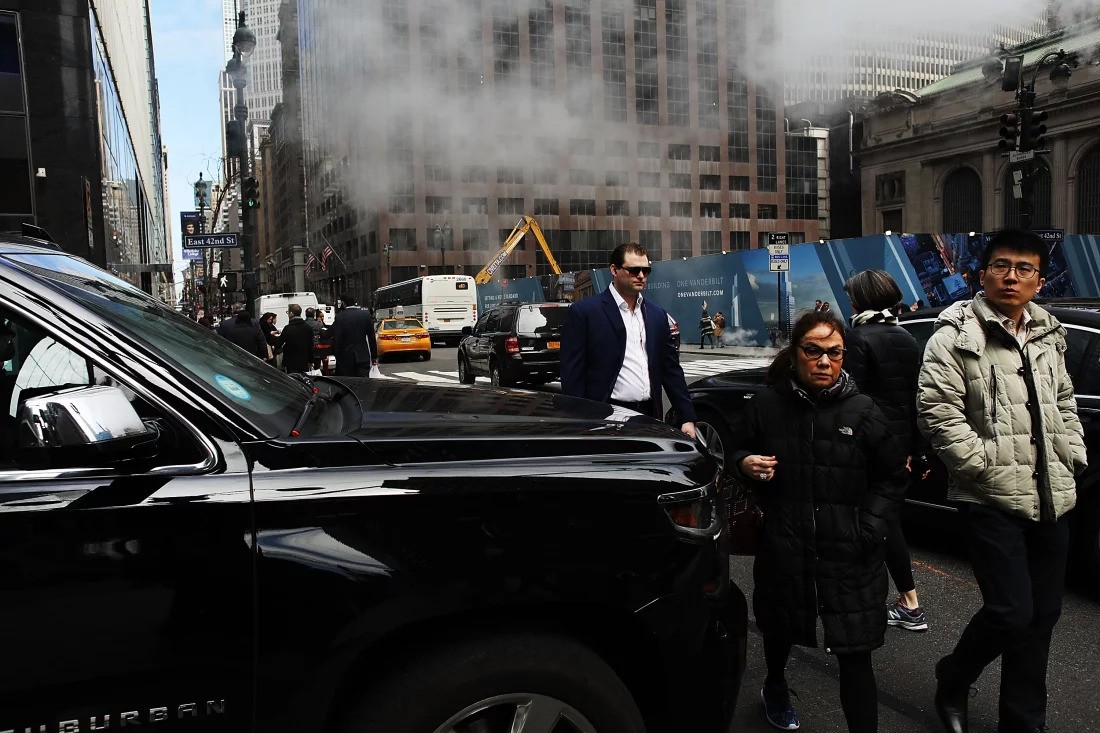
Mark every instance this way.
x=353 y=340
x=617 y=347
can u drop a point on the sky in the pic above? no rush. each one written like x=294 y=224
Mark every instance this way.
x=187 y=45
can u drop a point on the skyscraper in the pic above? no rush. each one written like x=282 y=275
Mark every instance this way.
x=431 y=126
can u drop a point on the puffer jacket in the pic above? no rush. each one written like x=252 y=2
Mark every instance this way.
x=1002 y=418
x=884 y=359
x=838 y=482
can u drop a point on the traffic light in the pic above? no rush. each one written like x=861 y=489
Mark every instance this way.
x=234 y=139
x=251 y=193
x=1009 y=130
x=228 y=282
x=1031 y=137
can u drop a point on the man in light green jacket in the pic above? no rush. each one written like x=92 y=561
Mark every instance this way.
x=996 y=404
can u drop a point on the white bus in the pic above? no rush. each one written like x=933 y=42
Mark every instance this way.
x=445 y=304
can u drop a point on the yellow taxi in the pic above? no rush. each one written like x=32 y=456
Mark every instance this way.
x=403 y=335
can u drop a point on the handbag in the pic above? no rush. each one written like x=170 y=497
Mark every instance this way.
x=375 y=372
x=744 y=517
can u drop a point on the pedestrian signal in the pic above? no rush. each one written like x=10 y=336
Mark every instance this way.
x=234 y=139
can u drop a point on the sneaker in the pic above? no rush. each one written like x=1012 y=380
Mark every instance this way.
x=910 y=619
x=777 y=707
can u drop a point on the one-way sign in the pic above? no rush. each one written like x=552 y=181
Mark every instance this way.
x=207 y=241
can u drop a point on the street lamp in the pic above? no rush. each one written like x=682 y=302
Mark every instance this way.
x=386 y=250
x=442 y=236
x=200 y=187
x=244 y=43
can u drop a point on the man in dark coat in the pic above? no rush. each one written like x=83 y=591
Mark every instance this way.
x=247 y=334
x=296 y=341
x=617 y=347
x=353 y=340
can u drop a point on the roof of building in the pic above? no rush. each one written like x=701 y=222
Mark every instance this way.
x=1083 y=38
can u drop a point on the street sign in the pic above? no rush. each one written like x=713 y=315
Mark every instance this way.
x=1021 y=156
x=209 y=241
x=779 y=252
x=1050 y=235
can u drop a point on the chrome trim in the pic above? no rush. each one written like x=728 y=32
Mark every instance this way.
x=930 y=505
x=684 y=497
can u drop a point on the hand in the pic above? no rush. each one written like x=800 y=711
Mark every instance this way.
x=760 y=468
x=374 y=362
x=688 y=429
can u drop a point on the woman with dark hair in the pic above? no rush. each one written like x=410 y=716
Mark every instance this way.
x=884 y=360
x=829 y=476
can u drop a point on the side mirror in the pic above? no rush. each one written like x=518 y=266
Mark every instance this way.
x=79 y=424
x=467 y=330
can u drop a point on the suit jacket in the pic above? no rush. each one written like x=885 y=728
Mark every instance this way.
x=593 y=347
x=296 y=341
x=353 y=340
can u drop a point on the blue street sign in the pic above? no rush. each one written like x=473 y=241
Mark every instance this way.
x=207 y=241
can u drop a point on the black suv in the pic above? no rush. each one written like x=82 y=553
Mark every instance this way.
x=192 y=539
x=719 y=399
x=514 y=343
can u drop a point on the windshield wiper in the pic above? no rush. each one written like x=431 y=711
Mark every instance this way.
x=314 y=398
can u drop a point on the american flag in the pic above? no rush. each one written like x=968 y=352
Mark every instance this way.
x=311 y=262
x=325 y=254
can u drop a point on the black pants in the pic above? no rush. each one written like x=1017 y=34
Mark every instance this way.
x=858 y=691
x=705 y=337
x=898 y=561
x=1020 y=566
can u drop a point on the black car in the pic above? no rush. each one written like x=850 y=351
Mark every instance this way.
x=513 y=344
x=192 y=539
x=719 y=400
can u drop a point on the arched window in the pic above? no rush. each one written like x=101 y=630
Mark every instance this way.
x=1040 y=211
x=962 y=202
x=1088 y=193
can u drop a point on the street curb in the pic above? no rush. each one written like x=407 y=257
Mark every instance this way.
x=758 y=352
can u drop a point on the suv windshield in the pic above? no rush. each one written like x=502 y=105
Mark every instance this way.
x=541 y=319
x=268 y=397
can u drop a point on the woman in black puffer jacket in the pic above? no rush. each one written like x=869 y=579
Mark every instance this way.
x=884 y=360
x=829 y=476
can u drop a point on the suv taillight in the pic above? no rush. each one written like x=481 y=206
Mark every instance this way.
x=511 y=345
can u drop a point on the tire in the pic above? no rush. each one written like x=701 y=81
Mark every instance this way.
x=716 y=434
x=465 y=376
x=427 y=356
x=481 y=683
x=496 y=377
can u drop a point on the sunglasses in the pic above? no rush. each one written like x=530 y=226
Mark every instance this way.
x=635 y=271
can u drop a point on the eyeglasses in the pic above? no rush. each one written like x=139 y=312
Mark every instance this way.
x=815 y=352
x=635 y=271
x=1024 y=271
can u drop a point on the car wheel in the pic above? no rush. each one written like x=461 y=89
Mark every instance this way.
x=715 y=433
x=496 y=377
x=464 y=374
x=499 y=684
x=427 y=356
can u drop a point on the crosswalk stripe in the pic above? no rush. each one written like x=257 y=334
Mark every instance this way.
x=699 y=368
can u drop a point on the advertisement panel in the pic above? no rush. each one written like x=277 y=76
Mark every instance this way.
x=190 y=222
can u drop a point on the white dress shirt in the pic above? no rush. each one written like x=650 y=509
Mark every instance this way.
x=632 y=384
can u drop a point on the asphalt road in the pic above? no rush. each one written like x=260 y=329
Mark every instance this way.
x=904 y=666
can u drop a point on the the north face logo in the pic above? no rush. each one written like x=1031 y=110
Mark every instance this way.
x=845 y=430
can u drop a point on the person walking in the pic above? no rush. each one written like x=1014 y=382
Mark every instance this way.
x=316 y=326
x=296 y=342
x=245 y=333
x=719 y=322
x=353 y=340
x=706 y=329
x=884 y=359
x=997 y=405
x=829 y=476
x=617 y=347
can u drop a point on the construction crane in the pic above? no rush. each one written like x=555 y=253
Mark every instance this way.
x=526 y=224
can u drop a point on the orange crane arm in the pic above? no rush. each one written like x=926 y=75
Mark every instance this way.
x=526 y=224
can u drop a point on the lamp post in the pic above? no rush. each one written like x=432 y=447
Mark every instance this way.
x=1022 y=132
x=386 y=250
x=442 y=237
x=200 y=187
x=244 y=43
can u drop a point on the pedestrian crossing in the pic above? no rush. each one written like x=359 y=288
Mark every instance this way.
x=692 y=369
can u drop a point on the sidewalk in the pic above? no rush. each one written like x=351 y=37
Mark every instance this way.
x=759 y=352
